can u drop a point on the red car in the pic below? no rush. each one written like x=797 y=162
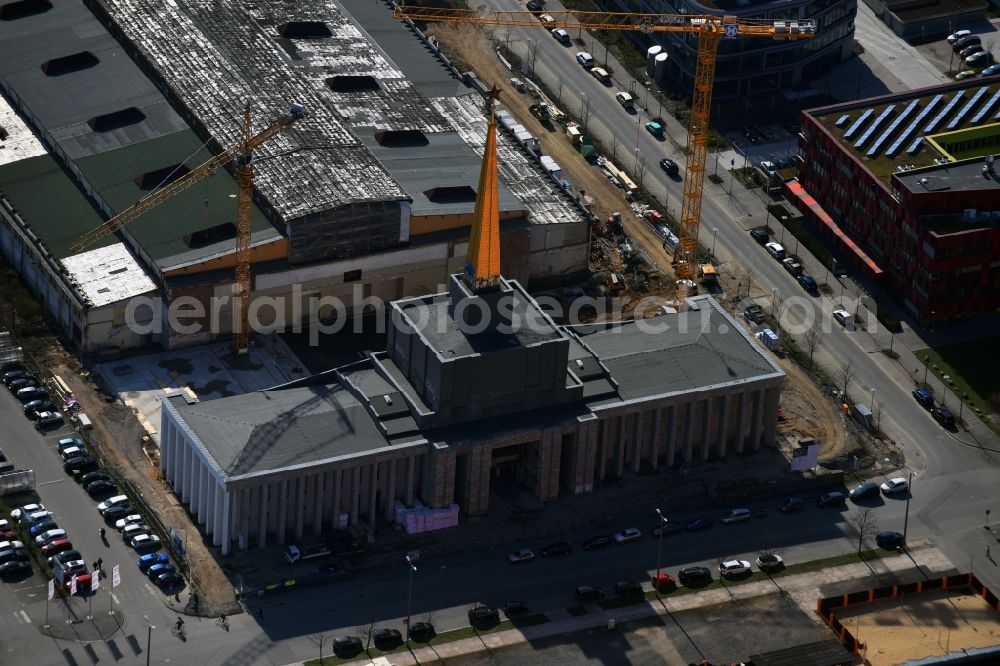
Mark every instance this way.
x=7 y=535
x=665 y=581
x=57 y=546
x=82 y=584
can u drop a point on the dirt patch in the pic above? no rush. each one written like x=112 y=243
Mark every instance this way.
x=932 y=624
x=806 y=412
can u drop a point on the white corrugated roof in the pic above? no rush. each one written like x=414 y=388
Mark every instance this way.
x=107 y=275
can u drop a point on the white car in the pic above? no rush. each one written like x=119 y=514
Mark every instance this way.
x=114 y=501
x=955 y=36
x=769 y=562
x=897 y=485
x=133 y=530
x=145 y=541
x=628 y=535
x=734 y=568
x=48 y=537
x=844 y=318
x=128 y=520
x=70 y=452
x=4 y=545
x=775 y=250
x=585 y=59
x=523 y=555
x=561 y=35
x=546 y=18
x=26 y=510
x=4 y=525
x=600 y=74
x=74 y=567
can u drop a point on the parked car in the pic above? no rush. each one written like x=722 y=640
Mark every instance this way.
x=694 y=576
x=100 y=487
x=667 y=527
x=670 y=167
x=21 y=514
x=48 y=419
x=168 y=579
x=480 y=615
x=43 y=526
x=628 y=535
x=981 y=59
x=969 y=50
x=117 y=500
x=732 y=568
x=544 y=18
x=664 y=582
x=736 y=516
x=15 y=567
x=808 y=283
x=863 y=490
x=35 y=407
x=770 y=562
x=133 y=519
x=775 y=250
x=957 y=35
x=889 y=540
x=558 y=548
x=135 y=529
x=152 y=559
x=625 y=99
x=896 y=485
x=47 y=537
x=20 y=383
x=515 y=608
x=561 y=36
x=654 y=128
x=923 y=396
x=347 y=646
x=965 y=74
x=754 y=314
x=834 y=498
x=145 y=541
x=844 y=318
x=600 y=541
x=965 y=40
x=626 y=588
x=588 y=593
x=70 y=443
x=57 y=546
x=116 y=512
x=386 y=639
x=14 y=375
x=518 y=556
x=534 y=5
x=760 y=235
x=944 y=416
x=791 y=265
x=157 y=569
x=11 y=554
x=71 y=452
x=601 y=74
x=90 y=477
x=29 y=393
x=65 y=556
x=585 y=59
x=422 y=631
x=699 y=524
x=992 y=70
x=79 y=465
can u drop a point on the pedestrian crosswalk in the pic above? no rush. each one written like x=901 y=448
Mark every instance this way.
x=14 y=619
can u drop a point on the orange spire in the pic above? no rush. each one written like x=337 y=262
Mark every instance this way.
x=482 y=262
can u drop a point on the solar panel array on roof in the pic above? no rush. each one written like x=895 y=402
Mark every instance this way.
x=894 y=148
x=907 y=112
x=858 y=123
x=841 y=121
x=932 y=125
x=915 y=146
x=986 y=108
x=875 y=125
x=968 y=107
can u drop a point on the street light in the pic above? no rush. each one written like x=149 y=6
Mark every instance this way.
x=909 y=493
x=873 y=401
x=149 y=636
x=659 y=549
x=715 y=230
x=409 y=598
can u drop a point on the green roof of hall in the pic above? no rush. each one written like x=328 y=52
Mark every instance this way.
x=116 y=176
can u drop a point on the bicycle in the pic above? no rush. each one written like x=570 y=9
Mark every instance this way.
x=179 y=632
x=222 y=622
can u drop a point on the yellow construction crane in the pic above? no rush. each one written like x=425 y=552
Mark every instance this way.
x=242 y=152
x=710 y=30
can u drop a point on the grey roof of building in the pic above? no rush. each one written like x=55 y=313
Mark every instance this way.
x=663 y=355
x=113 y=84
x=444 y=161
x=956 y=176
x=281 y=428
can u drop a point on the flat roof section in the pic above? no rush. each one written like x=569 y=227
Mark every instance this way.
x=108 y=275
x=68 y=70
x=161 y=231
x=50 y=203
x=958 y=176
x=17 y=141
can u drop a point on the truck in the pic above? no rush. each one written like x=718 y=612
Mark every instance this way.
x=299 y=553
x=708 y=274
x=769 y=338
x=18 y=481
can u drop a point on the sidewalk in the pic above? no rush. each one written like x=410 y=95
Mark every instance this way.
x=803 y=588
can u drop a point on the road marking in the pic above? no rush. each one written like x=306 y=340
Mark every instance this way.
x=49 y=483
x=114 y=598
x=25 y=616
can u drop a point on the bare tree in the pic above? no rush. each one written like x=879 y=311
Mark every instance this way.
x=640 y=171
x=585 y=105
x=319 y=640
x=366 y=630
x=533 y=45
x=812 y=341
x=614 y=147
x=865 y=524
x=845 y=377
x=559 y=89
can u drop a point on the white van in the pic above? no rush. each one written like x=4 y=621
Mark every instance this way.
x=625 y=99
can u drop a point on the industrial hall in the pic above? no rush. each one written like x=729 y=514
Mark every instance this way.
x=478 y=385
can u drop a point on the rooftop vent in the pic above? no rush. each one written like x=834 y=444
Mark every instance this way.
x=159 y=177
x=220 y=232
x=304 y=30
x=400 y=138
x=15 y=10
x=116 y=120
x=458 y=194
x=70 y=63
x=349 y=84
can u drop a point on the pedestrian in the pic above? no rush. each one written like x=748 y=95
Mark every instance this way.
x=988 y=556
x=260 y=612
x=100 y=564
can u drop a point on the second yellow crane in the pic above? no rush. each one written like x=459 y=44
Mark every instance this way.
x=710 y=29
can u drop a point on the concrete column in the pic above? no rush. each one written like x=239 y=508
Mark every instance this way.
x=743 y=421
x=655 y=434
x=166 y=445
x=355 y=495
x=202 y=490
x=211 y=506
x=283 y=512
x=373 y=483
x=588 y=459
x=618 y=444
x=722 y=431
x=218 y=513
x=758 y=419
x=604 y=445
x=772 y=399
x=338 y=478
x=688 y=429
x=411 y=473
x=705 y=423
x=223 y=538
x=556 y=463
x=180 y=485
x=180 y=443
x=390 y=496
x=299 y=506
x=244 y=518
x=263 y=505
x=637 y=440
x=320 y=496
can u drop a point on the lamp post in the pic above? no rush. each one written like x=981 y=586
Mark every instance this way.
x=774 y=301
x=715 y=230
x=873 y=401
x=635 y=169
x=409 y=598
x=659 y=550
x=833 y=265
x=909 y=493
x=149 y=636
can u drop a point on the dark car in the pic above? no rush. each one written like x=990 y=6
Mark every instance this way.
x=96 y=488
x=159 y=570
x=667 y=527
x=760 y=235
x=347 y=646
x=754 y=314
x=890 y=540
x=597 y=542
x=15 y=567
x=43 y=525
x=944 y=416
x=834 y=498
x=422 y=631
x=386 y=639
x=480 y=615
x=694 y=576
x=11 y=554
x=534 y=5
x=90 y=477
x=116 y=512
x=808 y=283
x=588 y=593
x=969 y=50
x=168 y=579
x=669 y=166
x=863 y=490
x=791 y=504
x=923 y=396
x=14 y=375
x=20 y=383
x=560 y=548
x=79 y=465
x=35 y=407
x=626 y=588
x=515 y=608
x=65 y=556
x=699 y=524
